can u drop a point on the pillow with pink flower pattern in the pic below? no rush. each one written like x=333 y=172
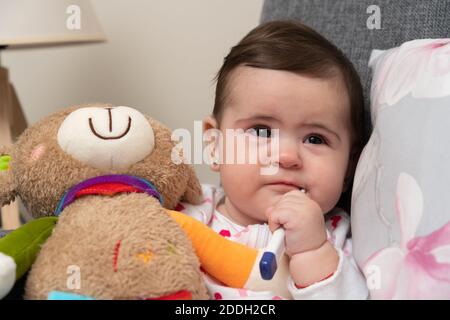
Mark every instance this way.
x=401 y=191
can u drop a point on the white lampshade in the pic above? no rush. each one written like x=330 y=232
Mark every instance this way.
x=34 y=22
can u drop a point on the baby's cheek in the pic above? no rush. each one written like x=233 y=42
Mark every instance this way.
x=37 y=152
x=327 y=188
x=239 y=179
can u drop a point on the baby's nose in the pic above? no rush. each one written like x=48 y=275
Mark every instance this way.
x=289 y=156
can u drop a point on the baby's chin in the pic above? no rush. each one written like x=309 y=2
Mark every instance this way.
x=268 y=197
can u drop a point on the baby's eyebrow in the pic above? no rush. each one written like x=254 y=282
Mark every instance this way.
x=258 y=118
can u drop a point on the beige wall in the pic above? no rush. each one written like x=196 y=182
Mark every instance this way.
x=160 y=58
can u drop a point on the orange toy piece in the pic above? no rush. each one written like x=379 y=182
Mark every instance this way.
x=232 y=263
x=236 y=261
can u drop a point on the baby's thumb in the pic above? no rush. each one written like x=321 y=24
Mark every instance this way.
x=272 y=225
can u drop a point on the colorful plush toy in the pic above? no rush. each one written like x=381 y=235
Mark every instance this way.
x=101 y=183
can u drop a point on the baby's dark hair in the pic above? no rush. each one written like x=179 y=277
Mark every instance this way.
x=295 y=47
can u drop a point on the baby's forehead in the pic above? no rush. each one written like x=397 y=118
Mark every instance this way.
x=308 y=107
x=248 y=86
x=287 y=97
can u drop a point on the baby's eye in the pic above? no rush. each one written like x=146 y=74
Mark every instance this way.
x=261 y=131
x=315 y=139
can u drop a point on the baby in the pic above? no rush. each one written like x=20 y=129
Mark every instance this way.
x=284 y=81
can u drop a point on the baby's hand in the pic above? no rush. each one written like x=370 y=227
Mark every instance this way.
x=313 y=258
x=303 y=221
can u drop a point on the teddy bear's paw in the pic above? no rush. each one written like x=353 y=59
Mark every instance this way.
x=7 y=274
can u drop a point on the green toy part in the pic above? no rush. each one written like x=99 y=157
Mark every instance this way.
x=24 y=243
x=4 y=162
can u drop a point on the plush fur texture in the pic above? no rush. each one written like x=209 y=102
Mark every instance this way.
x=155 y=257
x=137 y=252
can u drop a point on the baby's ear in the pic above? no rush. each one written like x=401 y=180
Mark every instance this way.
x=7 y=187
x=193 y=192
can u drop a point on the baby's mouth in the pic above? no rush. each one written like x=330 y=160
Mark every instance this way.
x=289 y=184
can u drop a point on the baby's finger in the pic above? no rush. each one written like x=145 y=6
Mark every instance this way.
x=272 y=219
x=273 y=225
x=279 y=217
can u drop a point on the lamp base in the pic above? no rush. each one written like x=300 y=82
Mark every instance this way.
x=12 y=124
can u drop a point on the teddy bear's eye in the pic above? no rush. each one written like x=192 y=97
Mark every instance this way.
x=4 y=162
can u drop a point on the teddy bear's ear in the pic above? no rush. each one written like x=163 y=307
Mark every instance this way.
x=7 y=189
x=193 y=192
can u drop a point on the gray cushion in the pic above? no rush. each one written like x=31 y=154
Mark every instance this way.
x=344 y=22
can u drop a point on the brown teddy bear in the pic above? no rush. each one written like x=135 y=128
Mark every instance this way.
x=124 y=246
x=107 y=173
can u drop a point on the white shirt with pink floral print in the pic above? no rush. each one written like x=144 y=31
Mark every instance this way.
x=347 y=282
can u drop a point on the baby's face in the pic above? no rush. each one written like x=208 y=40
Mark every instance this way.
x=313 y=118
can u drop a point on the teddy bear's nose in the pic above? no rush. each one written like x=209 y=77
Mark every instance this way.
x=107 y=138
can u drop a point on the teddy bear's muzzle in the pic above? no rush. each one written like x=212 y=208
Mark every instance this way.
x=107 y=138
